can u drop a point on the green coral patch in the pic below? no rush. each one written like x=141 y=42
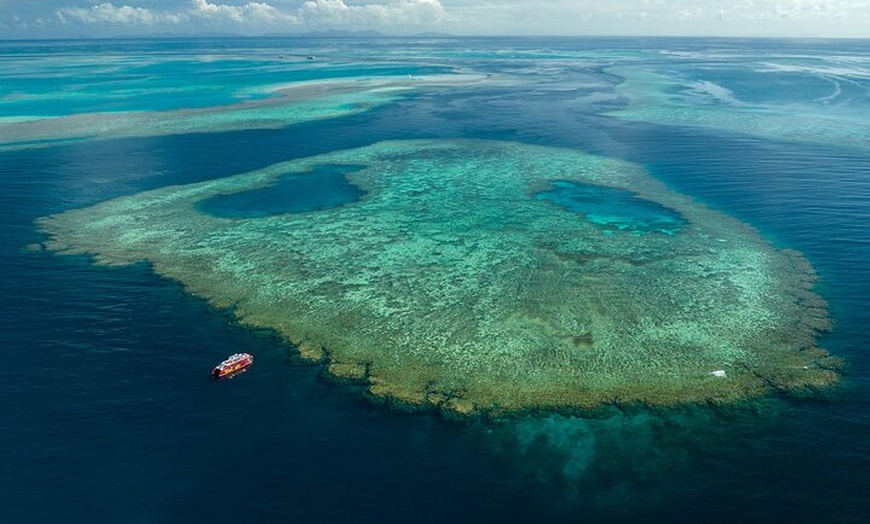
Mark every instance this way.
x=449 y=284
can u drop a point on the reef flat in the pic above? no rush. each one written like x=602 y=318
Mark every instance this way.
x=458 y=277
x=287 y=105
x=661 y=99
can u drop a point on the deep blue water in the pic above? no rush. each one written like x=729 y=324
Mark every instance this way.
x=324 y=187
x=111 y=415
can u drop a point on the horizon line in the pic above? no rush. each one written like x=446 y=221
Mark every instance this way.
x=371 y=34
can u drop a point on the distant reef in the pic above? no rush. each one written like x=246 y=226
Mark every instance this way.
x=473 y=277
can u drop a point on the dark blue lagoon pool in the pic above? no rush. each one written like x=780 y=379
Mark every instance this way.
x=324 y=187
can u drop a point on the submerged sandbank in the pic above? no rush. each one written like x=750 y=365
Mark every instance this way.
x=656 y=98
x=292 y=103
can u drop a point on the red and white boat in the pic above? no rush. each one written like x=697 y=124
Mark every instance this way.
x=235 y=364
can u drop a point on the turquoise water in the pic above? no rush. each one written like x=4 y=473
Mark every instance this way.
x=614 y=209
x=55 y=79
x=111 y=415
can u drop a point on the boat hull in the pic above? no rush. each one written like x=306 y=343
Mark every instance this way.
x=235 y=365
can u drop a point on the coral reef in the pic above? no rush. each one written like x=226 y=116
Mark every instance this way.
x=291 y=104
x=450 y=285
x=654 y=97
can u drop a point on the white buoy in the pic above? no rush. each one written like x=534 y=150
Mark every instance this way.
x=718 y=373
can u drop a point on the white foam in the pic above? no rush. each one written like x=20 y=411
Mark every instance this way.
x=719 y=93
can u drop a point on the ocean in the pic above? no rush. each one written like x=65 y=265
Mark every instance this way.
x=112 y=416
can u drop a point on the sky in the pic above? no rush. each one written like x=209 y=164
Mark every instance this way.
x=772 y=18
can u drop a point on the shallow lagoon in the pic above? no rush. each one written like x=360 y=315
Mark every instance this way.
x=614 y=209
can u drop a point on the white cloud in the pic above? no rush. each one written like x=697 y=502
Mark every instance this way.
x=253 y=15
x=400 y=12
x=664 y=17
x=626 y=17
x=107 y=13
x=249 y=13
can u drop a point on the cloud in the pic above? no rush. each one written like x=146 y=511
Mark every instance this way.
x=107 y=13
x=663 y=17
x=625 y=17
x=249 y=13
x=401 y=12
x=253 y=15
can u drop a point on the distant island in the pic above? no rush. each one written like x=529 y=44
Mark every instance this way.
x=338 y=33
x=327 y=33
